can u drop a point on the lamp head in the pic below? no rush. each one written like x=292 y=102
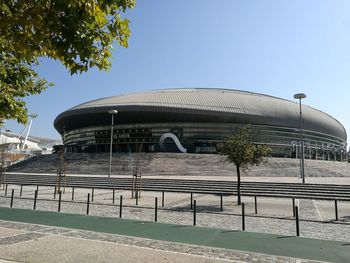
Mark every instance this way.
x=300 y=96
x=112 y=111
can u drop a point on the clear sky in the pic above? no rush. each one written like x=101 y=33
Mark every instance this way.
x=277 y=47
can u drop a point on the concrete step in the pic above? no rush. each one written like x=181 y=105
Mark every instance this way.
x=175 y=164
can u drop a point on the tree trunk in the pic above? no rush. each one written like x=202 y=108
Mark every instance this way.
x=238 y=185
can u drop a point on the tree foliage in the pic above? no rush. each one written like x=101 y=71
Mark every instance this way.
x=239 y=149
x=17 y=80
x=78 y=33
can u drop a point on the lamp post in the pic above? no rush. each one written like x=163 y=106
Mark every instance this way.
x=112 y=112
x=301 y=96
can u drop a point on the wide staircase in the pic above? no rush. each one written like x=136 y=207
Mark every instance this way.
x=123 y=164
x=169 y=164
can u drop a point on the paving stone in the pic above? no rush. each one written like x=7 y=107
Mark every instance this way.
x=180 y=214
x=218 y=253
x=19 y=238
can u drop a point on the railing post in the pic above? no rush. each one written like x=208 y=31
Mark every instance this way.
x=88 y=204
x=194 y=212
x=296 y=210
x=12 y=194
x=113 y=196
x=20 y=191
x=137 y=197
x=6 y=189
x=256 y=204
x=221 y=206
x=73 y=193
x=132 y=187
x=35 y=197
x=191 y=204
x=92 y=194
x=120 y=206
x=54 y=193
x=37 y=188
x=162 y=199
x=243 y=217
x=336 y=209
x=59 y=201
x=293 y=201
x=156 y=209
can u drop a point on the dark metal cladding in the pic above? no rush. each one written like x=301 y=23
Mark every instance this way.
x=199 y=105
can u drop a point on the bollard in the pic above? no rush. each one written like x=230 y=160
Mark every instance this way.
x=132 y=187
x=113 y=197
x=293 y=201
x=137 y=197
x=88 y=204
x=194 y=212
x=191 y=204
x=73 y=193
x=59 y=201
x=6 y=190
x=256 y=204
x=35 y=197
x=243 y=218
x=296 y=211
x=156 y=209
x=221 y=203
x=12 y=193
x=92 y=194
x=336 y=209
x=120 y=206
x=20 y=191
x=162 y=199
x=54 y=193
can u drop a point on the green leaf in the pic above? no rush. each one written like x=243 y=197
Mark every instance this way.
x=241 y=151
x=78 y=33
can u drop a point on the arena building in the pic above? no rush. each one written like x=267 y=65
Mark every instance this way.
x=196 y=120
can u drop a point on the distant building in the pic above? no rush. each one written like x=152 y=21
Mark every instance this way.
x=12 y=141
x=15 y=147
x=196 y=120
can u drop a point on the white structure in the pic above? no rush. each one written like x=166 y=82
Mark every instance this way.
x=14 y=142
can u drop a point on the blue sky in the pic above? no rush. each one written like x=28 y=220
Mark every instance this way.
x=277 y=47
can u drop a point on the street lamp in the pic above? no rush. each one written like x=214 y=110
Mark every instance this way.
x=301 y=96
x=112 y=112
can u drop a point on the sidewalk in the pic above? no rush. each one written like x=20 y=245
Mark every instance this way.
x=287 y=246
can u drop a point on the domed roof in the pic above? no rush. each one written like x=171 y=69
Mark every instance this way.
x=200 y=104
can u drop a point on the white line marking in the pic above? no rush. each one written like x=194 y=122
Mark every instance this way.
x=318 y=211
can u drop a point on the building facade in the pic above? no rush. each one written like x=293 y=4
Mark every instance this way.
x=196 y=120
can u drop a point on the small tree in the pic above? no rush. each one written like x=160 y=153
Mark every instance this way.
x=242 y=152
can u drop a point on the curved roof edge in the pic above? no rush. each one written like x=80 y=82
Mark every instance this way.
x=122 y=100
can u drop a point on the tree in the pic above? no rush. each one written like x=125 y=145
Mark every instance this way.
x=242 y=152
x=78 y=33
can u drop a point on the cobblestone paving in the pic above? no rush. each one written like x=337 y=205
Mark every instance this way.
x=208 y=215
x=308 y=210
x=37 y=231
x=19 y=238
